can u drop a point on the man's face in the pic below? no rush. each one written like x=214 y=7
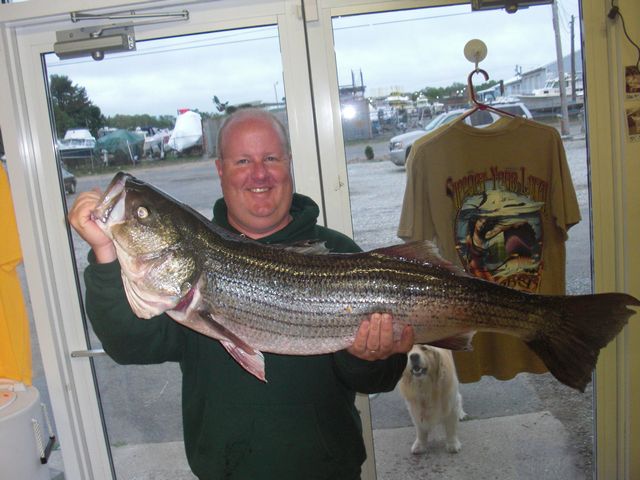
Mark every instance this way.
x=255 y=176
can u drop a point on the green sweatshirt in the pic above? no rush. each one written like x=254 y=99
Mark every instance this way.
x=301 y=424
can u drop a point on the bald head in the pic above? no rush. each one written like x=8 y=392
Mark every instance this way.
x=251 y=115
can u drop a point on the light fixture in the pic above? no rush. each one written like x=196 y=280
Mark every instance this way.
x=94 y=41
x=510 y=6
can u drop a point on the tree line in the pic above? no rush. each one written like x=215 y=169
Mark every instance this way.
x=435 y=93
x=72 y=107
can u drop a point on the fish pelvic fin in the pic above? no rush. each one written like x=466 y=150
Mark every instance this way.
x=250 y=359
x=588 y=323
x=251 y=362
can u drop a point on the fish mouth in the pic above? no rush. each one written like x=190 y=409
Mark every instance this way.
x=111 y=198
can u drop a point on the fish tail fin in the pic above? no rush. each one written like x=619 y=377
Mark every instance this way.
x=587 y=323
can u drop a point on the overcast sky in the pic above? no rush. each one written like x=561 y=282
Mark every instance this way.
x=406 y=50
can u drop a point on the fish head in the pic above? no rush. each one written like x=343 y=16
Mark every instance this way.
x=152 y=236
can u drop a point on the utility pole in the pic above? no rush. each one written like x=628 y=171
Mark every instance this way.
x=564 y=110
x=573 y=60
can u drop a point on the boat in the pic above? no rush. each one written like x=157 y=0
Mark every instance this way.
x=155 y=140
x=187 y=133
x=120 y=147
x=546 y=100
x=76 y=147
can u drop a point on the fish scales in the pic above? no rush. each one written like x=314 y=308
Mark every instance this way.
x=286 y=307
x=253 y=297
x=315 y=291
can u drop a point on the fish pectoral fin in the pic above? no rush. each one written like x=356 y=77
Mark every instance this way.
x=251 y=362
x=250 y=359
x=457 y=342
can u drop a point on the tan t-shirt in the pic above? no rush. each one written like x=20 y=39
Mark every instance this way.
x=497 y=201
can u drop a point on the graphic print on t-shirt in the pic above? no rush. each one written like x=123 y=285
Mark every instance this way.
x=498 y=230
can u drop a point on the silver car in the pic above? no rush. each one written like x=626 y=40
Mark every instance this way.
x=400 y=145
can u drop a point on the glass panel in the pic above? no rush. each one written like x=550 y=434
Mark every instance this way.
x=129 y=112
x=402 y=74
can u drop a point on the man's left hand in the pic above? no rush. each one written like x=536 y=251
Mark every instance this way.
x=374 y=340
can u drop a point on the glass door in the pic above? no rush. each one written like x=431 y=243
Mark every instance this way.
x=153 y=112
x=398 y=75
x=180 y=81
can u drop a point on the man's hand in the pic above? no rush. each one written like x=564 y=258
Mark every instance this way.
x=374 y=340
x=80 y=219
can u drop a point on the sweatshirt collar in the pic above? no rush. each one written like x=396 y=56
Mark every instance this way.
x=304 y=212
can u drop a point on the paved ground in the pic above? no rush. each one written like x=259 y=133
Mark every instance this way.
x=502 y=448
x=497 y=448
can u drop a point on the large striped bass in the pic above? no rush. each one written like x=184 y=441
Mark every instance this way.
x=254 y=297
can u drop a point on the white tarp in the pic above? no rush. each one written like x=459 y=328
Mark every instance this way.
x=187 y=132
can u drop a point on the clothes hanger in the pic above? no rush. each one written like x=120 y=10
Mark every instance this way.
x=479 y=105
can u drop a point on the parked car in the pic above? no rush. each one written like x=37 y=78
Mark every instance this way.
x=400 y=145
x=69 y=180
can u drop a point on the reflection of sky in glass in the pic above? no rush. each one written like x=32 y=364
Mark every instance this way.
x=412 y=49
x=167 y=74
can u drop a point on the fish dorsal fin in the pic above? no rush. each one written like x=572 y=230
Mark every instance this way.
x=421 y=251
x=306 y=247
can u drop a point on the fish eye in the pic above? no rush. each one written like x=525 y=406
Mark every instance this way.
x=142 y=212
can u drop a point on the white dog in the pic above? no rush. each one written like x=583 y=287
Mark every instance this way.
x=429 y=386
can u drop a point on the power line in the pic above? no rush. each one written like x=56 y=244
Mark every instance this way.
x=404 y=20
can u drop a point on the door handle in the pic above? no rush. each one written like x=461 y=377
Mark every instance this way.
x=96 y=352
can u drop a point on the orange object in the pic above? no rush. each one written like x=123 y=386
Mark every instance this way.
x=15 y=347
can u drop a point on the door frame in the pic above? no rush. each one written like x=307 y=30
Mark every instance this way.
x=44 y=236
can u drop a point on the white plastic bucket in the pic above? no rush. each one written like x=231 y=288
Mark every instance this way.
x=21 y=418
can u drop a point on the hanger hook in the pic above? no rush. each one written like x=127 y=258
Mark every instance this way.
x=471 y=90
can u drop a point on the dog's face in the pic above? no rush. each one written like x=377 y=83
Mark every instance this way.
x=423 y=360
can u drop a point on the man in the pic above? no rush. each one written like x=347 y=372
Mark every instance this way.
x=302 y=423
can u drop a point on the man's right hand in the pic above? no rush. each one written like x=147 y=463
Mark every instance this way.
x=82 y=222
